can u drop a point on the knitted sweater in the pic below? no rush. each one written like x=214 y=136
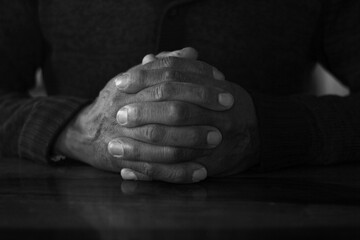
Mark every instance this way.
x=269 y=47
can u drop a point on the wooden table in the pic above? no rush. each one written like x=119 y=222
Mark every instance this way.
x=79 y=202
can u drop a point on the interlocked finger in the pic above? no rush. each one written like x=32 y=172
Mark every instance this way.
x=186 y=172
x=208 y=97
x=162 y=70
x=130 y=149
x=170 y=113
x=197 y=137
x=185 y=65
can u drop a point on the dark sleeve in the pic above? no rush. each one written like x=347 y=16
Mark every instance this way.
x=318 y=130
x=28 y=126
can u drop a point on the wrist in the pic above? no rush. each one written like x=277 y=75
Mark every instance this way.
x=70 y=142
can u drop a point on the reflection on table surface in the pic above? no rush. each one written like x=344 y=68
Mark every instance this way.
x=67 y=202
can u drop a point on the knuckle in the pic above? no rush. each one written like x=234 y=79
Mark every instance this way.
x=193 y=137
x=135 y=115
x=177 y=155
x=168 y=61
x=148 y=169
x=138 y=77
x=104 y=94
x=161 y=92
x=107 y=92
x=135 y=153
x=154 y=133
x=178 y=112
x=164 y=91
x=178 y=175
x=171 y=75
x=169 y=89
x=202 y=94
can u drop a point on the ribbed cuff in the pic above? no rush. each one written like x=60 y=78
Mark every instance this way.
x=48 y=116
x=287 y=132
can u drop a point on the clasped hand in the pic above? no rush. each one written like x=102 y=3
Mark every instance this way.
x=172 y=119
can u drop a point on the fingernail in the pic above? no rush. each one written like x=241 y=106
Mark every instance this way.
x=121 y=81
x=116 y=148
x=189 y=52
x=122 y=116
x=148 y=58
x=127 y=174
x=214 y=138
x=199 y=175
x=218 y=75
x=226 y=99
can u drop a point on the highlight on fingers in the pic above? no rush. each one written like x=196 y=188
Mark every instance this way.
x=169 y=113
x=148 y=58
x=156 y=70
x=129 y=174
x=135 y=80
x=187 y=172
x=130 y=149
x=185 y=65
x=187 y=52
x=195 y=137
x=209 y=97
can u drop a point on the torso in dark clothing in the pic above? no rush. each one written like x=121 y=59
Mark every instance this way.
x=265 y=45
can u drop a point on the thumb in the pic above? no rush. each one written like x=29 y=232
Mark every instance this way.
x=187 y=172
x=188 y=52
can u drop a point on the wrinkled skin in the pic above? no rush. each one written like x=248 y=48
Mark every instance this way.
x=172 y=105
x=239 y=146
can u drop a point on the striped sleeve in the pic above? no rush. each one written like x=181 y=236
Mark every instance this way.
x=47 y=117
